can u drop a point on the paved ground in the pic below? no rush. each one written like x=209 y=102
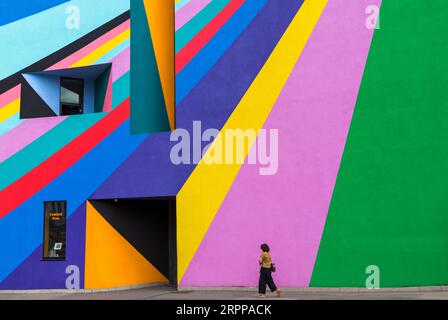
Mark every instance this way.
x=163 y=293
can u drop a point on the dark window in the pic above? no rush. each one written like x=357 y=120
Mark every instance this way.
x=72 y=96
x=55 y=230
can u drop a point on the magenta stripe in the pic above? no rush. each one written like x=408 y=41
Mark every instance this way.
x=312 y=115
x=73 y=58
x=121 y=64
x=187 y=12
x=25 y=133
x=14 y=93
x=31 y=129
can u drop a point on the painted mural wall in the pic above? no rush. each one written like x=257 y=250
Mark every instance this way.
x=356 y=100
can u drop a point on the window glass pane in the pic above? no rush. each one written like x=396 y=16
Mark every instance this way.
x=68 y=96
x=72 y=96
x=55 y=230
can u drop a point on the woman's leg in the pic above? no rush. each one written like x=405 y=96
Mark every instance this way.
x=270 y=282
x=262 y=282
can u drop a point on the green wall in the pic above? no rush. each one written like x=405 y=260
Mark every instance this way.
x=390 y=203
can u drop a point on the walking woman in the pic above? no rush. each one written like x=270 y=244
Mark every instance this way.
x=266 y=273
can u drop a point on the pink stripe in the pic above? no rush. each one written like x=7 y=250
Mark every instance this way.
x=108 y=99
x=121 y=64
x=9 y=96
x=73 y=58
x=187 y=12
x=25 y=133
x=288 y=210
x=31 y=129
x=14 y=93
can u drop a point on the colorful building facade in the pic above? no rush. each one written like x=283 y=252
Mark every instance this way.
x=93 y=95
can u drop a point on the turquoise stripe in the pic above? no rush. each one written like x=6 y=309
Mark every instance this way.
x=10 y=124
x=121 y=89
x=114 y=52
x=21 y=230
x=180 y=4
x=41 y=149
x=198 y=67
x=26 y=46
x=199 y=21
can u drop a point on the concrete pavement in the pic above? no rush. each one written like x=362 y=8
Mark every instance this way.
x=169 y=293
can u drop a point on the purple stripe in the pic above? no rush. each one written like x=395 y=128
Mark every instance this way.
x=121 y=64
x=25 y=133
x=33 y=273
x=149 y=173
x=187 y=12
x=312 y=115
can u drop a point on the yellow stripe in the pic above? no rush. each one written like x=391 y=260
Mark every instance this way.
x=202 y=195
x=102 y=50
x=9 y=110
x=12 y=108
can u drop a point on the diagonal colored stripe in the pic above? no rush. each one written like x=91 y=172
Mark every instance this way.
x=15 y=141
x=20 y=9
x=190 y=29
x=107 y=57
x=75 y=185
x=25 y=133
x=102 y=50
x=79 y=54
x=31 y=156
x=192 y=73
x=9 y=110
x=13 y=80
x=308 y=117
x=231 y=77
x=14 y=93
x=9 y=124
x=9 y=96
x=200 y=40
x=189 y=11
x=121 y=64
x=251 y=113
x=180 y=4
x=39 y=177
x=52 y=33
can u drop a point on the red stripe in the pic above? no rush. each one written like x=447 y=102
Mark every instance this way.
x=25 y=187
x=200 y=40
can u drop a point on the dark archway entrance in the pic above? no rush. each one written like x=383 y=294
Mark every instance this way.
x=149 y=225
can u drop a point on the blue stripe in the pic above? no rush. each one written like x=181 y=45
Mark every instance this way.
x=114 y=52
x=11 y=11
x=180 y=4
x=21 y=231
x=25 y=46
x=10 y=123
x=193 y=72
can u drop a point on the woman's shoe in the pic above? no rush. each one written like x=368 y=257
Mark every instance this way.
x=261 y=296
x=278 y=293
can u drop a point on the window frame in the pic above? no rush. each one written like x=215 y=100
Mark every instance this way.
x=43 y=258
x=71 y=104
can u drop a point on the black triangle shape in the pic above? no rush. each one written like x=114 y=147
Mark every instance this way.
x=144 y=224
x=31 y=104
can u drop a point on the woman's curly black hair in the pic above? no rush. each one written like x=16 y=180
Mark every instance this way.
x=264 y=247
